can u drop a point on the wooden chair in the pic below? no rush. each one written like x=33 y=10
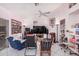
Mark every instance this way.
x=45 y=47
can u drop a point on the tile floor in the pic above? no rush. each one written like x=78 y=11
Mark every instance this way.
x=56 y=51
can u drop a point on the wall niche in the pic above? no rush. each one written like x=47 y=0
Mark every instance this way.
x=16 y=26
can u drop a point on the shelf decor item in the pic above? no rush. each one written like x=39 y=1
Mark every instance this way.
x=16 y=26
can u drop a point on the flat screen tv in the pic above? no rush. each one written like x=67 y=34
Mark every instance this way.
x=39 y=30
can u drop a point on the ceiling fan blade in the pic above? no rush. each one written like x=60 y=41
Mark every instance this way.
x=39 y=16
x=44 y=12
x=47 y=12
x=45 y=15
x=40 y=13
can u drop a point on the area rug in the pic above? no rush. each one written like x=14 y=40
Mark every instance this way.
x=30 y=52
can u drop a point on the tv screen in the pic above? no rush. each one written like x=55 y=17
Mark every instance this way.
x=39 y=29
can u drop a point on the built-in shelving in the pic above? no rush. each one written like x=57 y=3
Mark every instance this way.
x=16 y=26
x=62 y=29
x=2 y=36
x=2 y=31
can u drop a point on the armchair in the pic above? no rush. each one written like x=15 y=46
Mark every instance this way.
x=16 y=44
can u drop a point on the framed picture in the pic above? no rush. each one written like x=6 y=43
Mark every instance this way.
x=52 y=22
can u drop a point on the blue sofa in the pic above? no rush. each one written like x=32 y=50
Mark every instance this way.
x=16 y=44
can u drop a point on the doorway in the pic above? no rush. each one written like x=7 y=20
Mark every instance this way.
x=4 y=32
x=53 y=37
x=62 y=29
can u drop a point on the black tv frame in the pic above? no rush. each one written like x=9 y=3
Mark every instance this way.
x=39 y=30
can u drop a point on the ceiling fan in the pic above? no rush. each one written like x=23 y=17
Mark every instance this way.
x=52 y=20
x=43 y=13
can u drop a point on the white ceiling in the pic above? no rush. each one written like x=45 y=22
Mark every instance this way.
x=28 y=10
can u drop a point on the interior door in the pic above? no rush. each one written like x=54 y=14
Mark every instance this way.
x=3 y=32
